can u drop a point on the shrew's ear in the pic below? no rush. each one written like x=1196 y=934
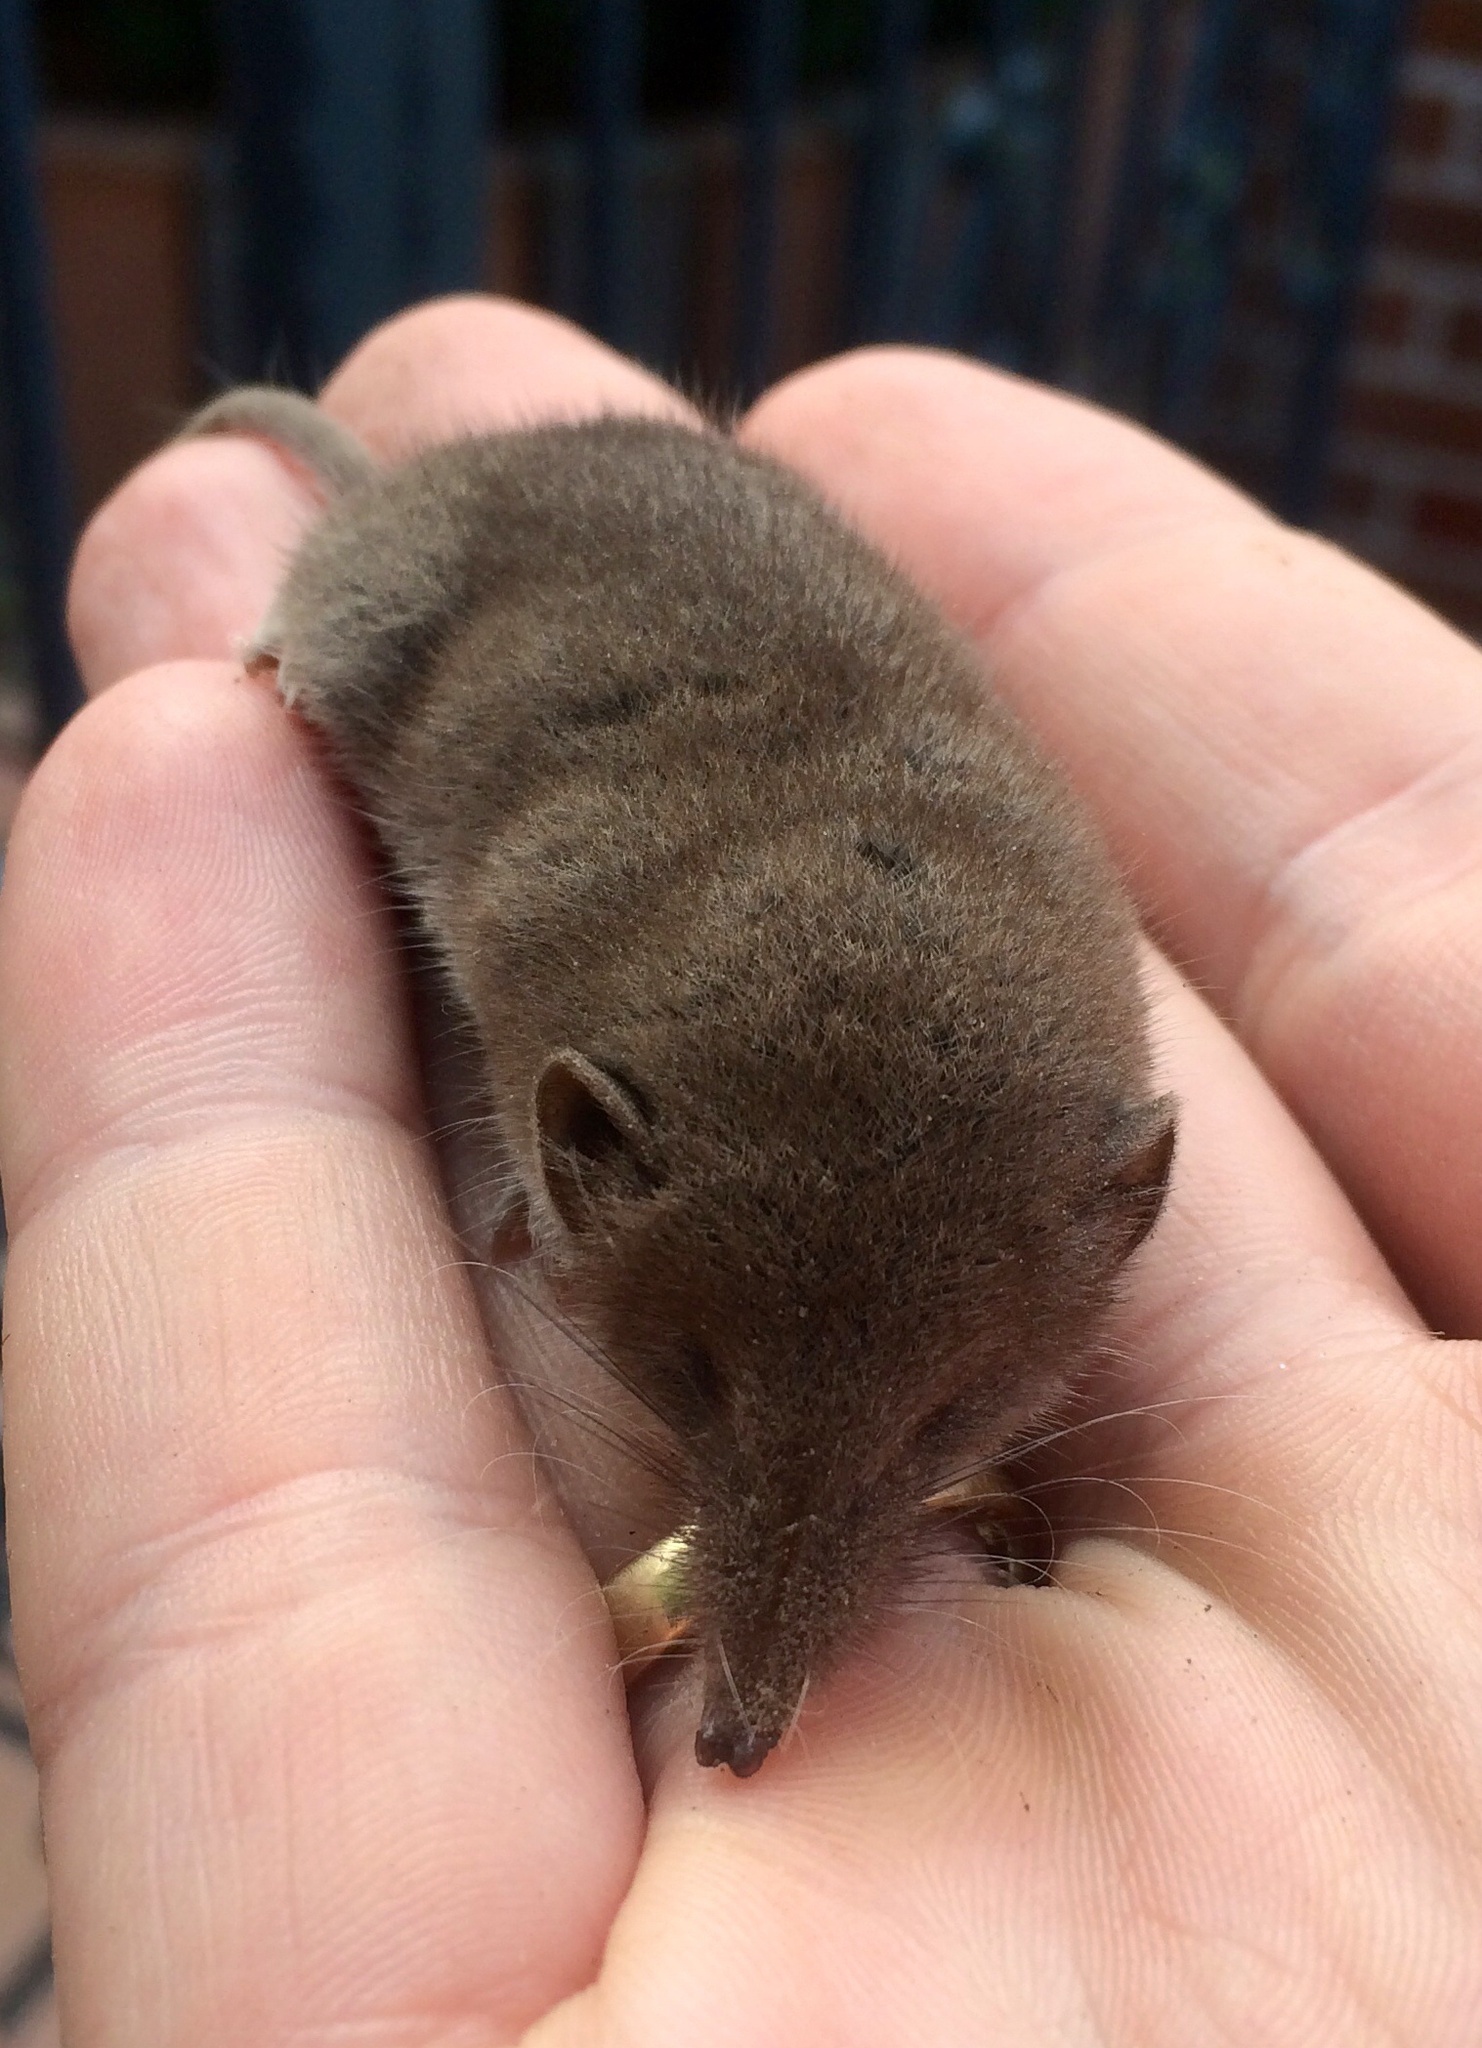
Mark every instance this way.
x=587 y=1123
x=1142 y=1156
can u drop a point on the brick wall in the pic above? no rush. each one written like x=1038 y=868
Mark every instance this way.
x=1407 y=486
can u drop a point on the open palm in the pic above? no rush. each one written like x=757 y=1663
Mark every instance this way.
x=332 y=1746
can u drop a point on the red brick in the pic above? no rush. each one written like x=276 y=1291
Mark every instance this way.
x=1448 y=228
x=1403 y=416
x=1422 y=125
x=1452 y=27
x=1464 y=334
x=1443 y=515
x=1384 y=316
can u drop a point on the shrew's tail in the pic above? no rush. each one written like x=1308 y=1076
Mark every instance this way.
x=334 y=459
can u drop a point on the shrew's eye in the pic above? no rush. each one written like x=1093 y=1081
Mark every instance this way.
x=939 y=1429
x=687 y=1389
x=701 y=1376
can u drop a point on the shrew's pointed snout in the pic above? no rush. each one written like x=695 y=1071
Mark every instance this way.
x=777 y=1596
x=750 y=1704
x=725 y=1738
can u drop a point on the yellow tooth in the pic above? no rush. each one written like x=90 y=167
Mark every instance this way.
x=646 y=1602
x=646 y=1598
x=981 y=1494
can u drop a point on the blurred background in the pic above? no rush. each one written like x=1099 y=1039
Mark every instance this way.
x=1255 y=224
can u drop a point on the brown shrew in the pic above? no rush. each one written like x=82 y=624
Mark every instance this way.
x=808 y=1035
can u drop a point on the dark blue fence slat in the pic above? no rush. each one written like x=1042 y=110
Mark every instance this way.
x=1013 y=148
x=360 y=133
x=886 y=186
x=770 y=64
x=1064 y=71
x=1211 y=161
x=40 y=494
x=1133 y=189
x=447 y=92
x=1349 y=97
x=311 y=89
x=971 y=303
x=611 y=85
x=969 y=157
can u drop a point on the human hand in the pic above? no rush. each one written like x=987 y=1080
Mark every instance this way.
x=331 y=1743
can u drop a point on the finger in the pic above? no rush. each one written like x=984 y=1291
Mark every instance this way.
x=1248 y=1720
x=180 y=562
x=321 y=1691
x=1285 y=754
x=1061 y=1826
x=481 y=366
x=1263 y=1357
x=1281 y=1432
x=183 y=559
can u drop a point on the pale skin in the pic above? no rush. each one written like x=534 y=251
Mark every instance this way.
x=332 y=1747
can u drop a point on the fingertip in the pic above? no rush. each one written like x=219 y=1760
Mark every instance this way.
x=182 y=560
x=830 y=393
x=188 y=925
x=90 y=756
x=475 y=364
x=978 y=482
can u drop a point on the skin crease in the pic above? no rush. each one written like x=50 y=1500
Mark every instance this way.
x=327 y=1740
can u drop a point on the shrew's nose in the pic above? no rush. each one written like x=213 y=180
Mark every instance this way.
x=724 y=1738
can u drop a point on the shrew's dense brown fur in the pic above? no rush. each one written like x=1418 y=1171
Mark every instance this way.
x=808 y=1003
